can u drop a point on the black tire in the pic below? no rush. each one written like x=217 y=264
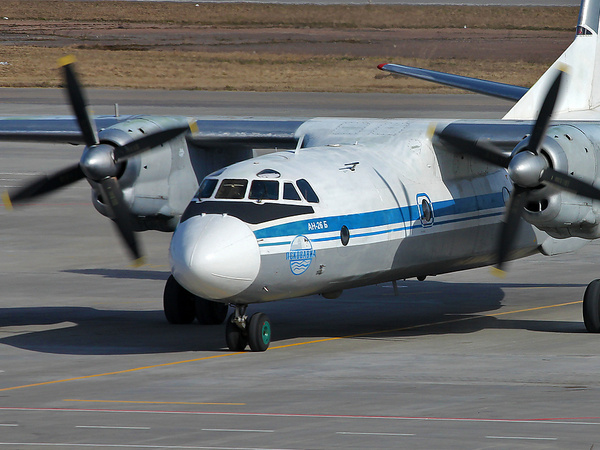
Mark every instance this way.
x=210 y=313
x=259 y=332
x=591 y=307
x=178 y=303
x=234 y=336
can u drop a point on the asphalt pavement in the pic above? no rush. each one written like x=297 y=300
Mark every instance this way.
x=460 y=361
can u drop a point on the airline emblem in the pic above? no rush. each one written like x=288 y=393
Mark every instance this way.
x=300 y=255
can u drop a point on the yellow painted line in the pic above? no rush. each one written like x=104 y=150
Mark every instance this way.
x=424 y=325
x=118 y=372
x=139 y=262
x=298 y=344
x=142 y=402
x=536 y=309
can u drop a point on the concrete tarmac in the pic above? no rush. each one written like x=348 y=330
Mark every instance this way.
x=460 y=361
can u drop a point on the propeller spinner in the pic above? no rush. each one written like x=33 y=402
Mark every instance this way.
x=100 y=163
x=527 y=168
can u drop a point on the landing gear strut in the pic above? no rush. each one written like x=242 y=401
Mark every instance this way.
x=591 y=307
x=241 y=331
x=182 y=307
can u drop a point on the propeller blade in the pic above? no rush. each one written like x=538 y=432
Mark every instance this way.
x=144 y=143
x=570 y=183
x=78 y=102
x=43 y=185
x=115 y=202
x=543 y=119
x=512 y=219
x=486 y=151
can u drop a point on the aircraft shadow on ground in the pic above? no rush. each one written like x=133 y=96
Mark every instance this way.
x=429 y=308
x=134 y=274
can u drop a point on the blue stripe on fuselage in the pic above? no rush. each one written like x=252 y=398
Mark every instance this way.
x=395 y=216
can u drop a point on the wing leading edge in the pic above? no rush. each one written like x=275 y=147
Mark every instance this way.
x=491 y=88
x=58 y=129
x=211 y=133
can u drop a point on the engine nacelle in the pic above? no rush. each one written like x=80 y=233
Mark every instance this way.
x=559 y=213
x=157 y=184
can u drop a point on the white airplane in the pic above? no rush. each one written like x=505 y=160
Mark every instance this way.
x=351 y=202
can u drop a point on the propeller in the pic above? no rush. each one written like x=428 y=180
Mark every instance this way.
x=101 y=163
x=527 y=168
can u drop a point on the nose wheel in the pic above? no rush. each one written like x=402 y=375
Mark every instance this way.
x=241 y=331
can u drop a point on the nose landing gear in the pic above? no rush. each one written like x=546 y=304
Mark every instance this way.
x=182 y=307
x=241 y=331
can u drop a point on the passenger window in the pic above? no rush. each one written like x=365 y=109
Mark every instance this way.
x=264 y=190
x=307 y=191
x=207 y=188
x=290 y=192
x=232 y=189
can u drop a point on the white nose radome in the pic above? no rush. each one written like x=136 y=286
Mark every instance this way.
x=214 y=256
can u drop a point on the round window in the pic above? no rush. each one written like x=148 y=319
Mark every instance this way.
x=427 y=215
x=345 y=235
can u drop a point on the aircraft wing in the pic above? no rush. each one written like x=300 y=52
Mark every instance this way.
x=58 y=129
x=212 y=132
x=491 y=88
x=249 y=133
x=504 y=135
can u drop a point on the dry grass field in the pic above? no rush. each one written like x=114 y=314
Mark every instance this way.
x=266 y=47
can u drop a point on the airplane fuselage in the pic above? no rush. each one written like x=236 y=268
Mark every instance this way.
x=382 y=204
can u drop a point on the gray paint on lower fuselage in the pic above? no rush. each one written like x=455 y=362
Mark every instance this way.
x=399 y=259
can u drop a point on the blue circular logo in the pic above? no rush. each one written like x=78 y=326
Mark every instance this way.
x=300 y=255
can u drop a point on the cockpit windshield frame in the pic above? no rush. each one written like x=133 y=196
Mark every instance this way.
x=257 y=190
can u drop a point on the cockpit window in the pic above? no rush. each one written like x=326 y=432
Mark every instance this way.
x=290 y=192
x=207 y=188
x=307 y=191
x=232 y=189
x=264 y=190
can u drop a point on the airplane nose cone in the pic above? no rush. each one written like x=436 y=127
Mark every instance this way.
x=214 y=256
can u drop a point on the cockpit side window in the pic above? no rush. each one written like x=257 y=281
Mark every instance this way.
x=207 y=188
x=290 y=192
x=264 y=190
x=307 y=191
x=232 y=189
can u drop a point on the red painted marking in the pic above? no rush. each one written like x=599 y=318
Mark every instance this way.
x=562 y=420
